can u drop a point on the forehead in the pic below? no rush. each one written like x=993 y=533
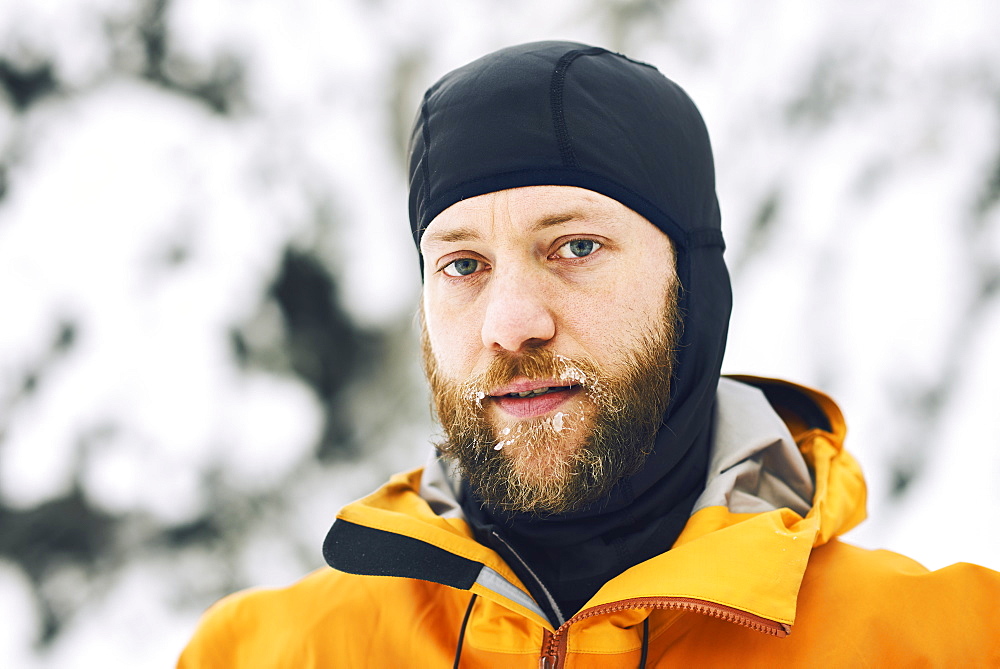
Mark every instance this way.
x=528 y=209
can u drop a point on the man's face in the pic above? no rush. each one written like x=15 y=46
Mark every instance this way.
x=549 y=330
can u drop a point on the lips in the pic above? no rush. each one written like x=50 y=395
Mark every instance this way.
x=530 y=399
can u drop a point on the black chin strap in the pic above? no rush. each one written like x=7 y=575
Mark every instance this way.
x=461 y=632
x=645 y=642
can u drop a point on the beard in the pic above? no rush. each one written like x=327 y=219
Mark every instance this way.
x=561 y=462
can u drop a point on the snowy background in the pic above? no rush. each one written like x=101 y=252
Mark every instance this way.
x=207 y=283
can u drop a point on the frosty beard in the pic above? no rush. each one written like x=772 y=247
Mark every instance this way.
x=564 y=461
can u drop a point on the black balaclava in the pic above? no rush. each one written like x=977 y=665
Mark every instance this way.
x=560 y=113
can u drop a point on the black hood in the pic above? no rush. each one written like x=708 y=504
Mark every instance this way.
x=561 y=113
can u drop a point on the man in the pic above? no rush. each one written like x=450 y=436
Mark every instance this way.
x=601 y=497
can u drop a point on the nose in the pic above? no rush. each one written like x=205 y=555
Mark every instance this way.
x=517 y=316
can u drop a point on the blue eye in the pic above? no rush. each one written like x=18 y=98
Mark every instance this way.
x=578 y=248
x=461 y=267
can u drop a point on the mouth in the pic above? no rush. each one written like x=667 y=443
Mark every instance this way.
x=537 y=391
x=529 y=399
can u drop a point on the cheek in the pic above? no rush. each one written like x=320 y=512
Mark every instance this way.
x=454 y=341
x=619 y=318
x=612 y=307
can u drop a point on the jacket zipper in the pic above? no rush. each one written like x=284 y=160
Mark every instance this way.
x=554 y=645
x=553 y=649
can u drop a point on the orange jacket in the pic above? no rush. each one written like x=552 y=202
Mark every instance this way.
x=769 y=588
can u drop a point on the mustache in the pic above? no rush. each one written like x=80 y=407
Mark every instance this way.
x=535 y=363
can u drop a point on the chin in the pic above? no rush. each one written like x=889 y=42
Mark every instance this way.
x=551 y=460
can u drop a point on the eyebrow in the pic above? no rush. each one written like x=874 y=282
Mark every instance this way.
x=468 y=233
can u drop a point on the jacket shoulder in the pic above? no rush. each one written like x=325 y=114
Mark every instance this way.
x=899 y=606
x=257 y=627
x=872 y=570
x=328 y=618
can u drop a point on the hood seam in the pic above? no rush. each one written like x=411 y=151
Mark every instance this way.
x=556 y=89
